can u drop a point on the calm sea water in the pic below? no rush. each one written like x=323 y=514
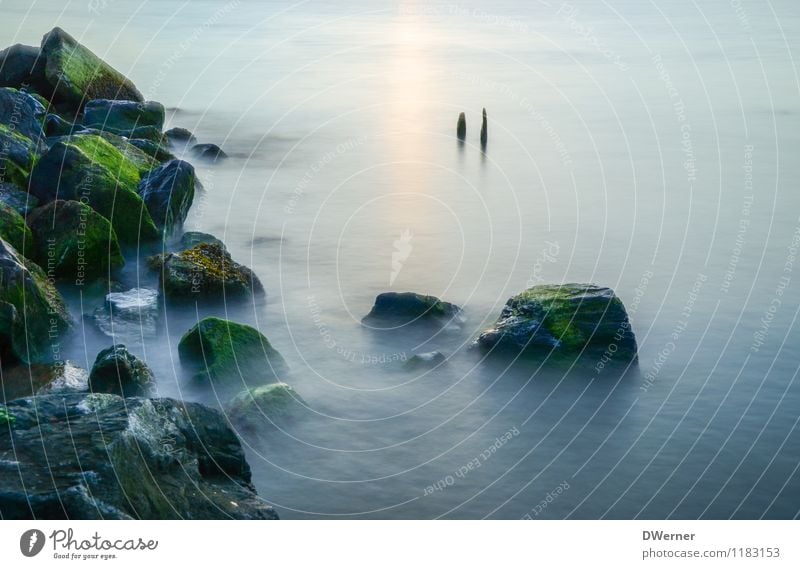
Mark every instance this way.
x=650 y=147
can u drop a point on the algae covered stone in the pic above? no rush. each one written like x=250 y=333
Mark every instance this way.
x=563 y=322
x=221 y=350
x=404 y=308
x=206 y=271
x=123 y=117
x=261 y=407
x=74 y=241
x=33 y=314
x=119 y=372
x=78 y=75
x=121 y=458
x=13 y=228
x=88 y=168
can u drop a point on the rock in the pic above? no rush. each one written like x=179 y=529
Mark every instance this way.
x=123 y=458
x=180 y=137
x=32 y=313
x=22 y=67
x=39 y=379
x=206 y=271
x=168 y=192
x=563 y=322
x=13 y=228
x=209 y=152
x=22 y=113
x=404 y=308
x=17 y=198
x=219 y=350
x=192 y=238
x=133 y=153
x=74 y=241
x=130 y=314
x=21 y=136
x=78 y=75
x=425 y=361
x=461 y=127
x=87 y=168
x=484 y=130
x=123 y=117
x=7 y=420
x=119 y=372
x=154 y=150
x=54 y=126
x=261 y=407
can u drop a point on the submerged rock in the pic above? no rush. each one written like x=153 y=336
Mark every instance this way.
x=168 y=193
x=74 y=241
x=221 y=350
x=123 y=117
x=206 y=271
x=13 y=228
x=78 y=75
x=563 y=322
x=261 y=407
x=32 y=313
x=404 y=308
x=39 y=379
x=180 y=137
x=461 y=127
x=130 y=314
x=123 y=458
x=484 y=130
x=17 y=198
x=209 y=152
x=119 y=372
x=425 y=361
x=88 y=168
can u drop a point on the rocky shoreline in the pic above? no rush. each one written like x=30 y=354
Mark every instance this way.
x=88 y=174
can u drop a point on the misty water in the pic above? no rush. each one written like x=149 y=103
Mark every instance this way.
x=648 y=147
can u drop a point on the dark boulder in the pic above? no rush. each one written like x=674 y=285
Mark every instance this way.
x=563 y=323
x=123 y=117
x=22 y=113
x=425 y=361
x=21 y=135
x=193 y=238
x=403 y=308
x=21 y=67
x=129 y=315
x=180 y=137
x=208 y=152
x=78 y=75
x=15 y=197
x=32 y=313
x=154 y=150
x=115 y=458
x=206 y=271
x=39 y=379
x=461 y=127
x=259 y=408
x=168 y=192
x=55 y=125
x=74 y=241
x=119 y=372
x=218 y=350
x=88 y=168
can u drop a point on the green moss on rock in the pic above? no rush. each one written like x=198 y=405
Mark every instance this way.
x=13 y=228
x=221 y=350
x=74 y=241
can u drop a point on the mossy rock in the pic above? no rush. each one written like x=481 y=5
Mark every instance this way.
x=180 y=137
x=90 y=169
x=565 y=322
x=193 y=238
x=394 y=309
x=206 y=271
x=78 y=75
x=218 y=350
x=261 y=407
x=13 y=228
x=22 y=113
x=74 y=241
x=21 y=66
x=6 y=418
x=168 y=193
x=153 y=150
x=123 y=116
x=33 y=315
x=119 y=372
x=18 y=155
